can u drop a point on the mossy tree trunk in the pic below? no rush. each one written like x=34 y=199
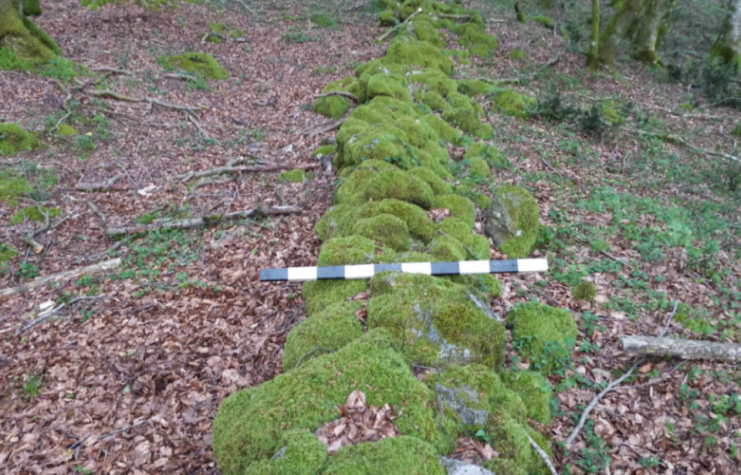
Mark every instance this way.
x=728 y=45
x=642 y=22
x=19 y=34
x=593 y=54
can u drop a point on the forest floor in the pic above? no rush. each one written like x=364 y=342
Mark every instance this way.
x=128 y=378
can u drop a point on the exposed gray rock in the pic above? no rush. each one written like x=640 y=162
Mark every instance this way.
x=460 y=400
x=456 y=467
x=279 y=454
x=500 y=224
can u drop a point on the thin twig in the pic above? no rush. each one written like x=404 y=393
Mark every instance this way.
x=399 y=26
x=464 y=246
x=542 y=453
x=653 y=381
x=48 y=314
x=310 y=352
x=345 y=94
x=120 y=430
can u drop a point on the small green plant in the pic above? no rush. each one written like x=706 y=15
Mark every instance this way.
x=28 y=270
x=32 y=387
x=297 y=38
x=649 y=462
x=481 y=436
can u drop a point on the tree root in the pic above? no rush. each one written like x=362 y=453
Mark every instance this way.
x=41 y=281
x=203 y=221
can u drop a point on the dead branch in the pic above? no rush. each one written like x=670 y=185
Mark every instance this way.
x=104 y=69
x=325 y=127
x=244 y=169
x=102 y=186
x=30 y=238
x=120 y=430
x=203 y=221
x=596 y=399
x=50 y=313
x=109 y=251
x=96 y=210
x=686 y=349
x=676 y=139
x=345 y=94
x=41 y=281
x=399 y=26
x=542 y=453
x=198 y=125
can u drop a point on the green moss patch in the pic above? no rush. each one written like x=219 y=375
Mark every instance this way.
x=295 y=176
x=14 y=139
x=512 y=103
x=535 y=392
x=324 y=332
x=420 y=226
x=7 y=252
x=67 y=130
x=302 y=454
x=385 y=230
x=321 y=294
x=399 y=185
x=543 y=20
x=585 y=290
x=250 y=424
x=459 y=207
x=202 y=63
x=395 y=455
x=544 y=334
x=516 y=54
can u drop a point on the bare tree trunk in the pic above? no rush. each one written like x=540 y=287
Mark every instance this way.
x=728 y=45
x=687 y=349
x=593 y=54
x=19 y=34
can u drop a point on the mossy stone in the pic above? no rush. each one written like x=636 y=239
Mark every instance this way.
x=479 y=167
x=426 y=30
x=302 y=454
x=328 y=223
x=459 y=207
x=512 y=103
x=411 y=52
x=352 y=190
x=437 y=323
x=250 y=423
x=437 y=184
x=14 y=139
x=448 y=249
x=420 y=226
x=387 y=230
x=391 y=85
x=332 y=107
x=474 y=87
x=294 y=176
x=502 y=466
x=324 y=332
x=434 y=101
x=585 y=290
x=324 y=150
x=434 y=79
x=480 y=50
x=512 y=221
x=443 y=129
x=67 y=130
x=466 y=119
x=320 y=294
x=534 y=390
x=349 y=250
x=399 y=185
x=393 y=455
x=544 y=334
x=196 y=62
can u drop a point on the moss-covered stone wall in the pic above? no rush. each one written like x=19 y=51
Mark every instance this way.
x=398 y=202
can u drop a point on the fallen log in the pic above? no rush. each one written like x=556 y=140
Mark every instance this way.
x=244 y=169
x=686 y=349
x=201 y=222
x=70 y=274
x=109 y=185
